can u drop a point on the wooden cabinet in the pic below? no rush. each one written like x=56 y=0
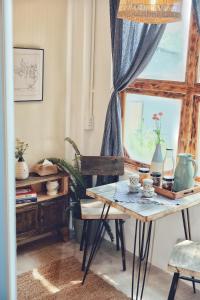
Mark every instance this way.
x=27 y=221
x=51 y=215
x=47 y=215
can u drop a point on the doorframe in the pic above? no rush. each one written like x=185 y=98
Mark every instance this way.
x=7 y=161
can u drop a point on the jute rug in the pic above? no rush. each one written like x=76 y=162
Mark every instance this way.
x=61 y=280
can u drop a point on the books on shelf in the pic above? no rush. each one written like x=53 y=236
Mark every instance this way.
x=25 y=195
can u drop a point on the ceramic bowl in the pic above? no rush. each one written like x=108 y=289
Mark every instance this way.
x=134 y=179
x=134 y=188
x=148 y=193
x=147 y=184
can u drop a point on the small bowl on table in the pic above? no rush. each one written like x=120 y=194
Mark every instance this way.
x=148 y=193
x=134 y=188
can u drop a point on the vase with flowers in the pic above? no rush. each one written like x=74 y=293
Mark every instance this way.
x=21 y=168
x=157 y=160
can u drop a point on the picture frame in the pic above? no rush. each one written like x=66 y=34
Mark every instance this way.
x=28 y=74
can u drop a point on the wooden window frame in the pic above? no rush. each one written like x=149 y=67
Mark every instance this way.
x=188 y=91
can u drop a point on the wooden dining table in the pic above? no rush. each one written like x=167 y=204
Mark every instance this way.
x=145 y=211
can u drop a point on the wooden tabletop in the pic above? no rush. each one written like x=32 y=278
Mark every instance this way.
x=137 y=207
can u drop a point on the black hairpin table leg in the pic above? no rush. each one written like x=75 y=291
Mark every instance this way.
x=97 y=239
x=143 y=237
x=187 y=231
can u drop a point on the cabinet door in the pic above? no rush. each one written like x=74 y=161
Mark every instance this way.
x=51 y=215
x=27 y=221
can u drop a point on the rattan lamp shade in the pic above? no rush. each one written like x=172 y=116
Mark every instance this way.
x=150 y=11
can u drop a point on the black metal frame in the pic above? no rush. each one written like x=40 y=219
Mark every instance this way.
x=143 y=237
x=141 y=234
x=97 y=240
x=176 y=277
x=187 y=231
x=173 y=287
x=119 y=240
x=186 y=224
x=174 y=284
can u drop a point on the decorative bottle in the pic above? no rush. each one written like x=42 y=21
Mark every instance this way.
x=168 y=163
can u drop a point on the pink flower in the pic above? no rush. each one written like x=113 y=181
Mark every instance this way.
x=161 y=114
x=157 y=117
x=154 y=117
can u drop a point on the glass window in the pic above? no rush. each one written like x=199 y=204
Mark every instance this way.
x=169 y=60
x=139 y=137
x=198 y=146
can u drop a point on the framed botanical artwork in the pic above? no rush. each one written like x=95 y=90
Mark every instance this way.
x=28 y=74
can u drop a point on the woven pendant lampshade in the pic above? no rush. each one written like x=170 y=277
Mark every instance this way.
x=150 y=11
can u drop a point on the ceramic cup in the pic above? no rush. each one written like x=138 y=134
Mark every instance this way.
x=134 y=188
x=52 y=188
x=134 y=179
x=147 y=184
x=148 y=193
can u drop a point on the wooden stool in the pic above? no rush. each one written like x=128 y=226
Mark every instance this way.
x=185 y=263
x=91 y=209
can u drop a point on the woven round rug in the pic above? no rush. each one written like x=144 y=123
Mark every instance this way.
x=61 y=279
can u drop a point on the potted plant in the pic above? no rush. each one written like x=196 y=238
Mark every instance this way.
x=87 y=181
x=77 y=188
x=21 y=168
x=76 y=191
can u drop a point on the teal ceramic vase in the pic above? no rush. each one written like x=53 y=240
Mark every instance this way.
x=185 y=173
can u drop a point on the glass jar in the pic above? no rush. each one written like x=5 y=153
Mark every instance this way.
x=167 y=183
x=156 y=177
x=168 y=163
x=143 y=173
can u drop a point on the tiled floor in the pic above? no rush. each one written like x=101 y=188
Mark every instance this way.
x=107 y=264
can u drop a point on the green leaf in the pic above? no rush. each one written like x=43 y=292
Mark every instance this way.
x=75 y=147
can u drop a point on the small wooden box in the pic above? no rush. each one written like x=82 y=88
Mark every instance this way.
x=42 y=170
x=177 y=195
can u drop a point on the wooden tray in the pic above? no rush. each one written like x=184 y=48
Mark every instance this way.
x=177 y=195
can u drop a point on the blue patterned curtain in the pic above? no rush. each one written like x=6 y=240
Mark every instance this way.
x=133 y=45
x=196 y=4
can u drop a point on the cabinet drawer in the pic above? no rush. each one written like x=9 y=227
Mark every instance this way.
x=51 y=215
x=27 y=220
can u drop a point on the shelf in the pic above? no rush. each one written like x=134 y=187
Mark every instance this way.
x=38 y=179
x=39 y=185
x=41 y=198
x=47 y=215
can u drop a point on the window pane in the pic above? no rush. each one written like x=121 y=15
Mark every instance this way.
x=198 y=70
x=198 y=147
x=169 y=60
x=139 y=138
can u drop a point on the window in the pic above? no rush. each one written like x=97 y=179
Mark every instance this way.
x=173 y=89
x=171 y=53
x=198 y=138
x=139 y=139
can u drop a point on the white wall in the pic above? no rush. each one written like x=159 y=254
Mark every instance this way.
x=90 y=141
x=167 y=230
x=42 y=24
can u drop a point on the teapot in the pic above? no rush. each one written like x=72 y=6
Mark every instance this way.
x=185 y=172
